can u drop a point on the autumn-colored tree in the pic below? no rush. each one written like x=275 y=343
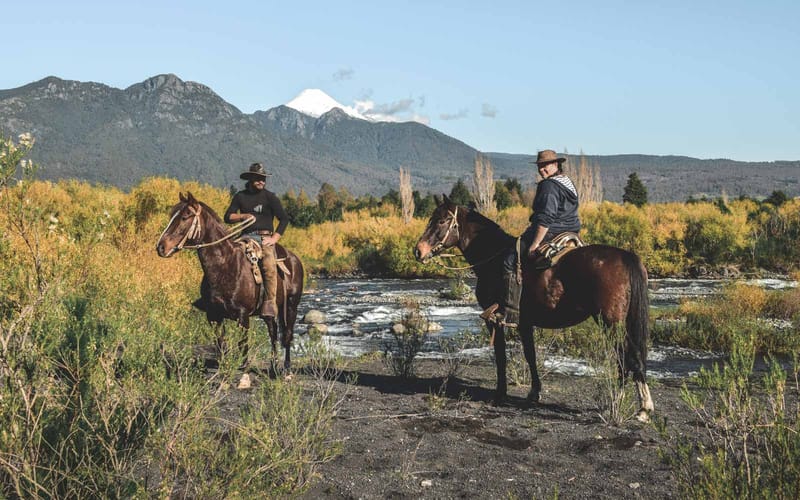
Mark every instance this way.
x=406 y=195
x=483 y=186
x=586 y=177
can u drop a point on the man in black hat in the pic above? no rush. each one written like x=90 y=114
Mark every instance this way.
x=255 y=201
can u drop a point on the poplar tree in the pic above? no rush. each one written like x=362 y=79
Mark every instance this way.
x=483 y=187
x=406 y=195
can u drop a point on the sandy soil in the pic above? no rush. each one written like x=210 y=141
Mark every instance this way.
x=400 y=440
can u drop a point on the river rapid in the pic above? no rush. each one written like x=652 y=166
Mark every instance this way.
x=360 y=314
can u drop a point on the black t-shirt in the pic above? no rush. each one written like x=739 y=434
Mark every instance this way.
x=264 y=205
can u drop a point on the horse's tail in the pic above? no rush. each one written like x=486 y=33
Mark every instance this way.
x=637 y=321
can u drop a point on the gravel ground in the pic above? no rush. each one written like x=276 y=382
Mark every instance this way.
x=411 y=439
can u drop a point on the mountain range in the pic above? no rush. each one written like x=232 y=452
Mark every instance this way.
x=169 y=127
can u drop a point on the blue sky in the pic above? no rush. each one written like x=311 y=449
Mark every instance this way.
x=703 y=79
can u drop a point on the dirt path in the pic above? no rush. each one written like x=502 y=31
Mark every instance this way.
x=400 y=440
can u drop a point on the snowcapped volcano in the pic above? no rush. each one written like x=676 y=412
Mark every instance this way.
x=316 y=103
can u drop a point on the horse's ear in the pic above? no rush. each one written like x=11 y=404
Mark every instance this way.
x=190 y=197
x=438 y=200
x=182 y=198
x=446 y=199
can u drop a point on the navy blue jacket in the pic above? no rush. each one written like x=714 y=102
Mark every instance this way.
x=555 y=207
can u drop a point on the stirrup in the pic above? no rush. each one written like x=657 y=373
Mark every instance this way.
x=489 y=313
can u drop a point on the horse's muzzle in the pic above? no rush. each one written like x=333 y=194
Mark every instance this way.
x=422 y=252
x=162 y=252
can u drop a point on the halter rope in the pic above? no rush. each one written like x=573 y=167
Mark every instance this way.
x=500 y=252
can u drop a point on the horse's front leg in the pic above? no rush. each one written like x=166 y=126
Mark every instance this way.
x=499 y=336
x=244 y=326
x=529 y=348
x=288 y=313
x=272 y=328
x=286 y=339
x=244 y=347
x=219 y=339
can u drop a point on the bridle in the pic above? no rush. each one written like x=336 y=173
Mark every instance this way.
x=440 y=245
x=196 y=228
x=453 y=225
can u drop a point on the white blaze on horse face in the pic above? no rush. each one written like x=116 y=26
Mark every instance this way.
x=161 y=239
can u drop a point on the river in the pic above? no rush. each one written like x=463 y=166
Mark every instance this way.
x=360 y=312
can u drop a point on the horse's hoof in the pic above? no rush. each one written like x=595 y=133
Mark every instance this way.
x=643 y=416
x=288 y=378
x=245 y=382
x=533 y=397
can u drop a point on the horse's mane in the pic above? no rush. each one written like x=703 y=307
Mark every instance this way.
x=484 y=222
x=210 y=211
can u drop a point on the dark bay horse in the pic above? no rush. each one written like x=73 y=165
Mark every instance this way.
x=604 y=282
x=228 y=289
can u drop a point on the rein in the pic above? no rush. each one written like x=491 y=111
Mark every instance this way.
x=195 y=228
x=471 y=266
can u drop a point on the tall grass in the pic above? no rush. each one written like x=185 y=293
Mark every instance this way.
x=102 y=396
x=751 y=432
x=714 y=323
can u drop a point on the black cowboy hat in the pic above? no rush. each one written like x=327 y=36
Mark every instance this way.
x=256 y=172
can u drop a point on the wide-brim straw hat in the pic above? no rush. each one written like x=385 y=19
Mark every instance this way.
x=548 y=156
x=256 y=172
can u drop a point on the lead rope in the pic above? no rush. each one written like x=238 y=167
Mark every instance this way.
x=500 y=252
x=234 y=230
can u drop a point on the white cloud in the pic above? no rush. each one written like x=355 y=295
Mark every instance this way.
x=343 y=74
x=397 y=111
x=462 y=113
x=488 y=110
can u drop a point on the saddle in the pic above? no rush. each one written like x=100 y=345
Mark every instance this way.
x=548 y=254
x=252 y=249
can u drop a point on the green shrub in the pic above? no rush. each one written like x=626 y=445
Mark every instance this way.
x=752 y=444
x=102 y=396
x=400 y=352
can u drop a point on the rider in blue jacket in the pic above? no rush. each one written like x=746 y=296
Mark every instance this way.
x=555 y=210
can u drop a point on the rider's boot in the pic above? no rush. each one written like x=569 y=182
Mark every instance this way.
x=269 y=270
x=511 y=300
x=507 y=312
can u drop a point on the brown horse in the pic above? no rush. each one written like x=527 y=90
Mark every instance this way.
x=604 y=282
x=229 y=289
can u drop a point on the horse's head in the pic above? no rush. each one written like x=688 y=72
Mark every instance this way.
x=183 y=227
x=441 y=232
